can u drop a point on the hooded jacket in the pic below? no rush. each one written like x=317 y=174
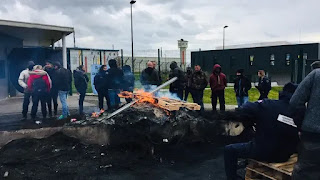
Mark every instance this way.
x=80 y=80
x=52 y=74
x=63 y=80
x=177 y=72
x=274 y=141
x=39 y=74
x=241 y=86
x=149 y=76
x=217 y=82
x=101 y=82
x=114 y=75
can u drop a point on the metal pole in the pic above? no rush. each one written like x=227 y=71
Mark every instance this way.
x=132 y=42
x=121 y=57
x=223 y=38
x=64 y=51
x=74 y=39
x=159 y=61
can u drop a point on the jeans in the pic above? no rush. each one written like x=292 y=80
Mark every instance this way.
x=63 y=99
x=308 y=164
x=186 y=94
x=26 y=102
x=53 y=97
x=242 y=100
x=114 y=98
x=81 y=99
x=101 y=95
x=35 y=101
x=197 y=96
x=214 y=98
x=231 y=154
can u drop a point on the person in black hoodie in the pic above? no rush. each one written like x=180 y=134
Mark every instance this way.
x=63 y=84
x=128 y=80
x=149 y=77
x=53 y=95
x=177 y=86
x=188 y=77
x=101 y=85
x=241 y=87
x=115 y=78
x=275 y=141
x=81 y=83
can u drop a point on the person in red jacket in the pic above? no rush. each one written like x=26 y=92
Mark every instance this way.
x=218 y=83
x=39 y=83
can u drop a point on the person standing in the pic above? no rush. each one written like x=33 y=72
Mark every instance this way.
x=188 y=77
x=264 y=85
x=53 y=95
x=63 y=84
x=241 y=87
x=101 y=85
x=115 y=78
x=218 y=83
x=23 y=80
x=149 y=77
x=128 y=80
x=39 y=84
x=155 y=69
x=177 y=87
x=199 y=83
x=81 y=83
x=307 y=93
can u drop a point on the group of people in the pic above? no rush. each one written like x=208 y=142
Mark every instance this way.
x=46 y=84
x=280 y=126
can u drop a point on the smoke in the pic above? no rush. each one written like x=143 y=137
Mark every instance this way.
x=161 y=93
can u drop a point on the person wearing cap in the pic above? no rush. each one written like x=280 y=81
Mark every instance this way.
x=274 y=141
x=241 y=87
x=307 y=96
x=53 y=95
x=81 y=83
x=63 y=85
x=23 y=80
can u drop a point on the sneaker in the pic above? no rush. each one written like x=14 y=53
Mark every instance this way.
x=61 y=117
x=38 y=122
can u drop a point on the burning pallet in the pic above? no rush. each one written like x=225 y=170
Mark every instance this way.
x=162 y=102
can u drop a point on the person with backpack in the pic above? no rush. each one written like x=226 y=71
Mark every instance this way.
x=241 y=87
x=177 y=87
x=39 y=83
x=101 y=86
x=23 y=80
x=264 y=85
x=81 y=83
x=115 y=78
x=53 y=95
x=63 y=85
x=128 y=80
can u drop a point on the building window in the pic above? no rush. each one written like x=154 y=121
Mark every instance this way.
x=288 y=59
x=251 y=60
x=2 y=69
x=272 y=59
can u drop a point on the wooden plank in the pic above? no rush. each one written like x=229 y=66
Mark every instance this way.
x=261 y=173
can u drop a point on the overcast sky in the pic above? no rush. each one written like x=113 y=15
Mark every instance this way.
x=160 y=23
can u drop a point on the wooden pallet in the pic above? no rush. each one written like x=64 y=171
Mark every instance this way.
x=274 y=171
x=175 y=105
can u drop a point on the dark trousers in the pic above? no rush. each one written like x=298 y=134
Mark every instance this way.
x=186 y=94
x=263 y=95
x=53 y=98
x=308 y=165
x=114 y=98
x=214 y=98
x=197 y=96
x=231 y=154
x=35 y=101
x=101 y=95
x=26 y=102
x=177 y=91
x=82 y=95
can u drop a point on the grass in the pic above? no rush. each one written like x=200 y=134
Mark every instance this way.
x=230 y=95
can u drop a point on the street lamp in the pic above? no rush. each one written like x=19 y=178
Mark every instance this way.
x=132 y=2
x=224 y=36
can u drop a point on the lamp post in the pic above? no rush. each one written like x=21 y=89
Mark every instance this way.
x=132 y=2
x=224 y=36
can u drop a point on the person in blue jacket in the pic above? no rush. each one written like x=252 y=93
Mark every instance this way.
x=274 y=141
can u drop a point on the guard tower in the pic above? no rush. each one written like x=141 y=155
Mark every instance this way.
x=183 y=45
